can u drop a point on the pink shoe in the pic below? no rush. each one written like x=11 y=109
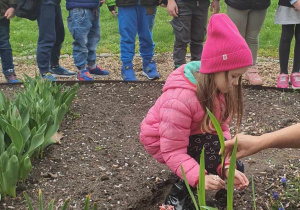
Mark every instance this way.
x=253 y=77
x=283 y=81
x=295 y=79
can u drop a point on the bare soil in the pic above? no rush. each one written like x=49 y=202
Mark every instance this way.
x=100 y=153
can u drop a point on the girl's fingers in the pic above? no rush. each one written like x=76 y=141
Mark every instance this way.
x=245 y=180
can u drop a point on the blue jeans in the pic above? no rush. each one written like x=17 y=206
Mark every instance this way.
x=85 y=29
x=5 y=48
x=51 y=36
x=133 y=20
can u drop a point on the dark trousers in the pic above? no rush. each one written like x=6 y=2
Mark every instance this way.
x=51 y=37
x=287 y=34
x=189 y=28
x=5 y=48
x=179 y=196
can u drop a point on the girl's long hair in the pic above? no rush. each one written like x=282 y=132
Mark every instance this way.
x=207 y=93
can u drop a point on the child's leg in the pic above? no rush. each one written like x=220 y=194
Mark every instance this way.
x=128 y=23
x=47 y=36
x=182 y=31
x=79 y=23
x=296 y=67
x=256 y=19
x=198 y=30
x=5 y=47
x=93 y=40
x=239 y=17
x=287 y=34
x=60 y=37
x=146 y=16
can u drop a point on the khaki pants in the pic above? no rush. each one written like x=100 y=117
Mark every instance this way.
x=249 y=22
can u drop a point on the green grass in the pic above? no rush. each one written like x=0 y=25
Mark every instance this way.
x=24 y=34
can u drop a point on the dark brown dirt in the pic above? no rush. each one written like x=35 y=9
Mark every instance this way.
x=101 y=154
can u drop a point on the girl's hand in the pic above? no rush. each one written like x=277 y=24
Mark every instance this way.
x=172 y=8
x=215 y=6
x=10 y=13
x=297 y=5
x=214 y=182
x=240 y=180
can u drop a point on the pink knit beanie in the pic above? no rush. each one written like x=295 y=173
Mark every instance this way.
x=225 y=49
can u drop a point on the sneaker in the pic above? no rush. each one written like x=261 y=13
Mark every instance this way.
x=49 y=77
x=59 y=71
x=98 y=71
x=84 y=75
x=283 y=81
x=295 y=78
x=253 y=77
x=150 y=71
x=10 y=76
x=127 y=73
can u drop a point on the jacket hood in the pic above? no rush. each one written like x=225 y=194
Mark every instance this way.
x=177 y=79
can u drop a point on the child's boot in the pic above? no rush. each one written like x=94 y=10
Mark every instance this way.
x=283 y=81
x=179 y=197
x=127 y=72
x=11 y=76
x=97 y=71
x=84 y=75
x=253 y=77
x=149 y=70
x=295 y=79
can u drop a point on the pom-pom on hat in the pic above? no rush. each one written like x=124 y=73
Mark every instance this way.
x=225 y=49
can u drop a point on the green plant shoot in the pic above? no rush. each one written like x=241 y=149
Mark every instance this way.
x=253 y=193
x=189 y=189
x=230 y=181
x=201 y=182
x=218 y=129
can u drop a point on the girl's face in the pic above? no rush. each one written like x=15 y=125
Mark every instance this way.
x=233 y=79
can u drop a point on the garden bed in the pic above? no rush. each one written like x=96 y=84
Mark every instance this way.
x=100 y=152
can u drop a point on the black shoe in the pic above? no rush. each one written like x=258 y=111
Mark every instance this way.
x=179 y=197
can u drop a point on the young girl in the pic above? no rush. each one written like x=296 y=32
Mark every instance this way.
x=177 y=126
x=289 y=17
x=189 y=26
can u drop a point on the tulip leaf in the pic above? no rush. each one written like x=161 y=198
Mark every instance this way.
x=230 y=181
x=189 y=188
x=10 y=176
x=218 y=129
x=15 y=137
x=201 y=183
x=25 y=168
x=28 y=201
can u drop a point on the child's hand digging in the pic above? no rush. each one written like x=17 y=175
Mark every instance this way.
x=240 y=180
x=214 y=182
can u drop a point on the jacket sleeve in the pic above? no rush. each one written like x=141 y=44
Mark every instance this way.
x=13 y=3
x=174 y=130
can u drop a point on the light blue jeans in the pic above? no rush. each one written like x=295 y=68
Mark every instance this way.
x=85 y=29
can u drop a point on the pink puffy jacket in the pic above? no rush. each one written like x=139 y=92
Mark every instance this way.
x=175 y=116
